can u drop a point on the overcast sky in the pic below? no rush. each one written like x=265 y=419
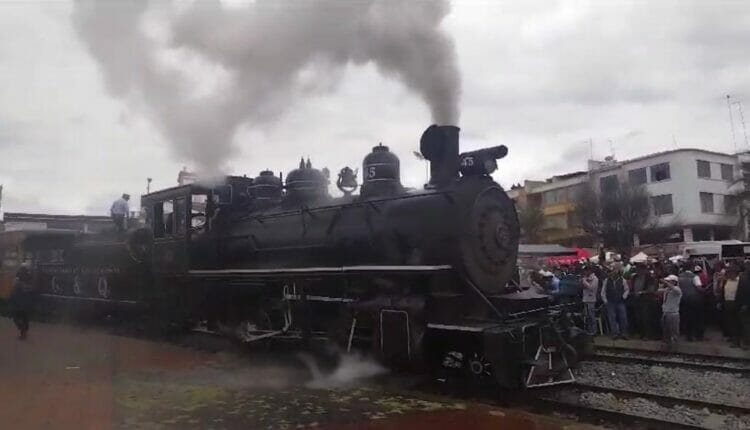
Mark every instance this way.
x=541 y=77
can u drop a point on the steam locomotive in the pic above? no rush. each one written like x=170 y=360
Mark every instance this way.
x=419 y=277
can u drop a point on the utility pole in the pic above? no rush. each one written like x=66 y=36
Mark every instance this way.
x=731 y=122
x=742 y=121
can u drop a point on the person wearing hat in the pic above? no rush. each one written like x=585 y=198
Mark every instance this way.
x=692 y=303
x=643 y=303
x=615 y=291
x=590 y=286
x=702 y=275
x=549 y=281
x=728 y=303
x=120 y=211
x=670 y=311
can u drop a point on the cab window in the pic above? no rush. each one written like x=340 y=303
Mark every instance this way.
x=198 y=211
x=163 y=219
x=170 y=218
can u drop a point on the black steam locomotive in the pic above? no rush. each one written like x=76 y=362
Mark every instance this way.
x=418 y=276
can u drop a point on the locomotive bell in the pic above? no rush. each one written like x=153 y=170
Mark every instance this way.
x=381 y=173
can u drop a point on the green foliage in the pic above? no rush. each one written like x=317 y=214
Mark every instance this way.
x=531 y=219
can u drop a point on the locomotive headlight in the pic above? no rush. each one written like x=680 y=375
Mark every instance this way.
x=490 y=166
x=481 y=162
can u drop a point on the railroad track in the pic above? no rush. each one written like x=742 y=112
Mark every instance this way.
x=659 y=406
x=685 y=361
x=631 y=409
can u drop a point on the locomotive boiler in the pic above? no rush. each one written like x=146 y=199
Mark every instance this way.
x=419 y=277
x=462 y=223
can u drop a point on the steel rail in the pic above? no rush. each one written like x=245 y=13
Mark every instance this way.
x=664 y=400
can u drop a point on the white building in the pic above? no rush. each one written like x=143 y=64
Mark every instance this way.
x=691 y=196
x=691 y=192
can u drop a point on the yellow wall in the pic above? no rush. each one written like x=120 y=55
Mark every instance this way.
x=558 y=209
x=556 y=235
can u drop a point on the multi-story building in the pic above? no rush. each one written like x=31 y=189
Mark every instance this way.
x=691 y=191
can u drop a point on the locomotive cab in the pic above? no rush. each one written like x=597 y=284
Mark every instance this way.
x=183 y=222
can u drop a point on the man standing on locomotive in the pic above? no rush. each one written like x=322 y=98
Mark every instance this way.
x=120 y=211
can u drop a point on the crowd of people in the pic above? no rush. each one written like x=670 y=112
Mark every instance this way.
x=656 y=299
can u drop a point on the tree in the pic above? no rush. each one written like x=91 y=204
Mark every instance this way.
x=614 y=217
x=531 y=219
x=741 y=197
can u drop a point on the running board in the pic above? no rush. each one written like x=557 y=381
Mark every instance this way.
x=322 y=271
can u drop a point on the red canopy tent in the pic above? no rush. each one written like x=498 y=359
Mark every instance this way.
x=560 y=260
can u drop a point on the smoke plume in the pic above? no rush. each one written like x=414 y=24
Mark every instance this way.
x=259 y=59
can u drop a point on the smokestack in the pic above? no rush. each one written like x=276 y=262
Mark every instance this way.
x=439 y=145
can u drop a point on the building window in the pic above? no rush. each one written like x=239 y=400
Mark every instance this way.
x=662 y=204
x=701 y=234
x=637 y=176
x=704 y=169
x=731 y=205
x=727 y=172
x=560 y=195
x=608 y=184
x=549 y=197
x=707 y=203
x=745 y=172
x=660 y=172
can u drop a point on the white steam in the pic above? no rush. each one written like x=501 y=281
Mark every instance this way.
x=259 y=59
x=351 y=369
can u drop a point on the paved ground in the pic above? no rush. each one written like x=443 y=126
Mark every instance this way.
x=68 y=378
